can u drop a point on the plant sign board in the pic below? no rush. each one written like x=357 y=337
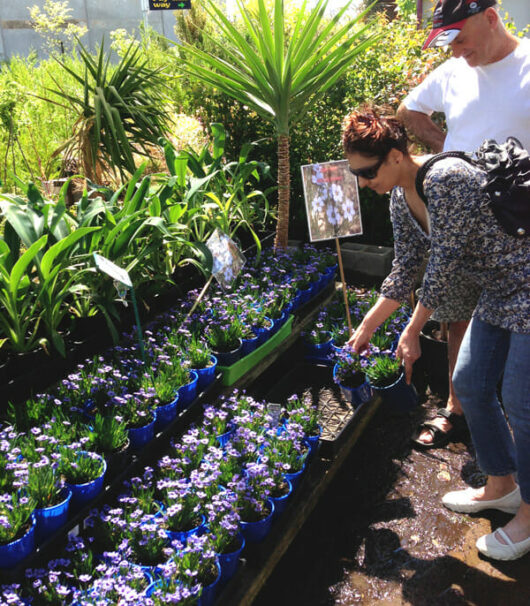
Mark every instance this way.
x=171 y=5
x=228 y=260
x=111 y=269
x=332 y=201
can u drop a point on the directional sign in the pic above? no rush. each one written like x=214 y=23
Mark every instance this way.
x=111 y=269
x=171 y=5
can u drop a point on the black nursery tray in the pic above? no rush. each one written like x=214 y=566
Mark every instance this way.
x=314 y=382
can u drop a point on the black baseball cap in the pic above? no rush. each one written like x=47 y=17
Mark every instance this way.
x=449 y=17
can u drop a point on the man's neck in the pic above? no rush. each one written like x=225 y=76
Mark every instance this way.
x=507 y=44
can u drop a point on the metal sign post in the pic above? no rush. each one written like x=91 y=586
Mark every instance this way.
x=121 y=277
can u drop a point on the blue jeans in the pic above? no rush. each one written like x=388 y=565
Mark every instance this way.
x=485 y=353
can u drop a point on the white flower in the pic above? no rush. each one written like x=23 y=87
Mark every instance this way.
x=317 y=205
x=348 y=209
x=336 y=192
x=333 y=215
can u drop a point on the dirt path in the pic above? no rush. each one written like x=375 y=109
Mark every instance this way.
x=381 y=536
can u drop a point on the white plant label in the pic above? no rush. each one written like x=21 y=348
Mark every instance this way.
x=111 y=269
x=228 y=260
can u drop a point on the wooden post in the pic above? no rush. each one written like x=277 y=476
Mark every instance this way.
x=344 y=289
x=199 y=298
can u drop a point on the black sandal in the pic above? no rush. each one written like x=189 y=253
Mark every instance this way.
x=441 y=438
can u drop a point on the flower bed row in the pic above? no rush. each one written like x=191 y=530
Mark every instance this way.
x=70 y=435
x=175 y=533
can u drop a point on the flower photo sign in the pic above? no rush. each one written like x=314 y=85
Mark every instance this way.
x=332 y=201
x=228 y=260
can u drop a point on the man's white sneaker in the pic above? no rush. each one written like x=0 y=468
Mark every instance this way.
x=462 y=501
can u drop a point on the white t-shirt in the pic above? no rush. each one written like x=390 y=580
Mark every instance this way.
x=487 y=102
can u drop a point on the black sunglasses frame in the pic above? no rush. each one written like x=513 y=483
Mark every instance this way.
x=369 y=172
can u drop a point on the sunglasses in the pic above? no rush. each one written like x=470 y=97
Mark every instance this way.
x=370 y=172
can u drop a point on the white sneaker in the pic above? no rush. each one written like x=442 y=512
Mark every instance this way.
x=491 y=547
x=462 y=501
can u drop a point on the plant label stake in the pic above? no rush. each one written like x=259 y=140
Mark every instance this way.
x=333 y=208
x=228 y=261
x=344 y=293
x=275 y=410
x=123 y=283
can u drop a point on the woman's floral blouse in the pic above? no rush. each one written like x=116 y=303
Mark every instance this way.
x=465 y=237
x=411 y=250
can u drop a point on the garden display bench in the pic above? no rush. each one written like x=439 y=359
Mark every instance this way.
x=261 y=559
x=160 y=444
x=302 y=318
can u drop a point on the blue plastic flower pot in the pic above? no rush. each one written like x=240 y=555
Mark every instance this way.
x=149 y=591
x=206 y=376
x=254 y=532
x=295 y=477
x=84 y=493
x=183 y=535
x=50 y=519
x=11 y=554
x=318 y=349
x=305 y=295
x=263 y=333
x=280 y=503
x=330 y=271
x=209 y=592
x=140 y=436
x=278 y=323
x=155 y=572
x=187 y=393
x=229 y=562
x=335 y=349
x=166 y=413
x=227 y=358
x=315 y=288
x=355 y=395
x=295 y=302
x=249 y=345
x=399 y=397
x=223 y=438
x=321 y=284
x=312 y=442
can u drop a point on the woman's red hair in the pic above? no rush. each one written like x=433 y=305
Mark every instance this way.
x=367 y=131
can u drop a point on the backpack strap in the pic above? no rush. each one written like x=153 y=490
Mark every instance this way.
x=420 y=176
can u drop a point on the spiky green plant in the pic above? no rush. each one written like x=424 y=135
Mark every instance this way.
x=278 y=75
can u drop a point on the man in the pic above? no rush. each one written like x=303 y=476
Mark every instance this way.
x=484 y=92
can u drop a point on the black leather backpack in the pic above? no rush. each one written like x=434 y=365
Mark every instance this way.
x=508 y=181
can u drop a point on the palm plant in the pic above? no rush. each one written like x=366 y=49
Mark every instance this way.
x=278 y=75
x=120 y=112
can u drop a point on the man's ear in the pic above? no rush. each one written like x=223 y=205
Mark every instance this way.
x=492 y=16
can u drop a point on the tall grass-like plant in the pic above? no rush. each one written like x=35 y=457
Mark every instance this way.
x=222 y=194
x=277 y=77
x=120 y=112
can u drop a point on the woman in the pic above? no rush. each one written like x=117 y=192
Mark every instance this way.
x=465 y=239
x=370 y=136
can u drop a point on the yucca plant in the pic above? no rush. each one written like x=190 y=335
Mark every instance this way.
x=120 y=112
x=278 y=75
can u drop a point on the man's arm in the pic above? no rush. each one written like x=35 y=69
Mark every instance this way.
x=423 y=127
